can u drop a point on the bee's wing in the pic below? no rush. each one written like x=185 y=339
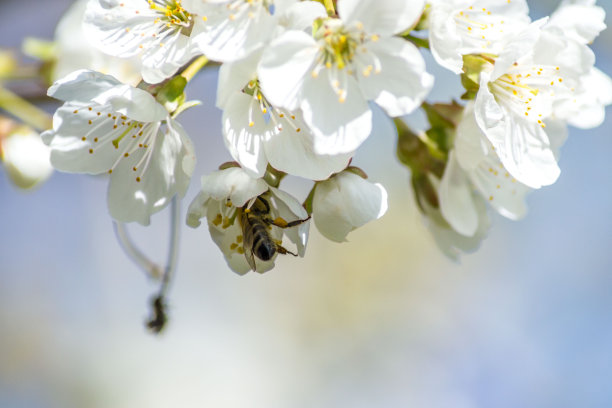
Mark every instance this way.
x=250 y=257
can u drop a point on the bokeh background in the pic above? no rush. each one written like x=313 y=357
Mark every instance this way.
x=384 y=320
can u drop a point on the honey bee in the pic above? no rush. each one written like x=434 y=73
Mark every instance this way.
x=256 y=222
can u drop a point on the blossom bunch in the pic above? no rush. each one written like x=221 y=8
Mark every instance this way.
x=298 y=84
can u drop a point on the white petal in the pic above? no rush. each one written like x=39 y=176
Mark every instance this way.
x=504 y=193
x=229 y=34
x=456 y=199
x=197 y=209
x=450 y=241
x=293 y=152
x=518 y=46
x=444 y=41
x=470 y=150
x=339 y=125
x=523 y=147
x=88 y=87
x=596 y=94
x=233 y=76
x=383 y=17
x=301 y=16
x=583 y=22
x=233 y=183
x=346 y=202
x=285 y=64
x=400 y=84
x=245 y=130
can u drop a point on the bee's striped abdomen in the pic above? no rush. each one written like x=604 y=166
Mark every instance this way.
x=256 y=233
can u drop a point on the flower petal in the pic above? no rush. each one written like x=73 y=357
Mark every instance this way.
x=346 y=202
x=399 y=84
x=87 y=87
x=292 y=151
x=284 y=65
x=339 y=124
x=245 y=131
x=233 y=183
x=456 y=199
x=382 y=17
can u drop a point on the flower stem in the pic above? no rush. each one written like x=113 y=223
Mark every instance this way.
x=194 y=68
x=158 y=303
x=329 y=6
x=22 y=109
x=149 y=267
x=175 y=228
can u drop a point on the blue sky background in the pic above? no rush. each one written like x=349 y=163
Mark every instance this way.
x=381 y=321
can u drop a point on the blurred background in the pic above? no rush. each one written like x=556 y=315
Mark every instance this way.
x=384 y=320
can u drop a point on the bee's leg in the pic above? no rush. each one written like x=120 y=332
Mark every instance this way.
x=280 y=222
x=282 y=250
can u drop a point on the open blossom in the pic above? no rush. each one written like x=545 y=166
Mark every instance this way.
x=226 y=196
x=109 y=127
x=257 y=133
x=348 y=61
x=346 y=202
x=157 y=31
x=463 y=27
x=517 y=96
x=231 y=29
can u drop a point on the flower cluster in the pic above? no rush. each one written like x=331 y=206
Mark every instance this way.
x=297 y=84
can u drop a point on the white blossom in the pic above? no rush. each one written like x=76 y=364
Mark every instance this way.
x=463 y=27
x=345 y=202
x=257 y=133
x=228 y=193
x=157 y=31
x=516 y=98
x=109 y=127
x=332 y=74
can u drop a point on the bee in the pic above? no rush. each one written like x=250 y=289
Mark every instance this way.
x=256 y=223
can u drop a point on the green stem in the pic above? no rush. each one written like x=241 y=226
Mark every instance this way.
x=194 y=68
x=22 y=109
x=329 y=6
